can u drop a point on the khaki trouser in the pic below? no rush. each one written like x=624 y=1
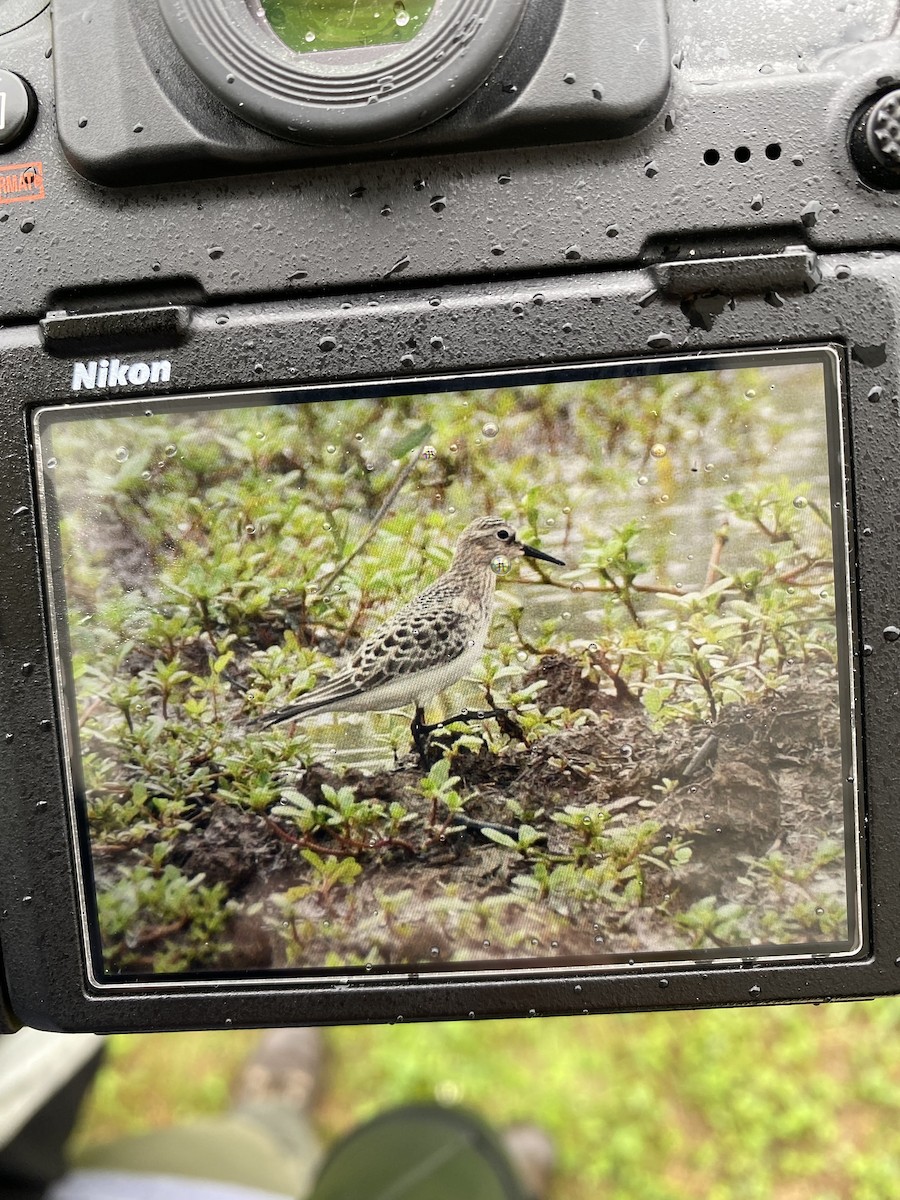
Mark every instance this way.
x=415 y=1153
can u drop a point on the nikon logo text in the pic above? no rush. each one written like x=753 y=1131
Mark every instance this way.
x=110 y=373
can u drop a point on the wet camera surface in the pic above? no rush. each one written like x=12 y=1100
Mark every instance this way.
x=450 y=468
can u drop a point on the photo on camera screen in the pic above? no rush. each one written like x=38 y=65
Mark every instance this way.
x=539 y=669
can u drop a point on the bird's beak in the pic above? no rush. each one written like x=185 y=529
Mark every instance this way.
x=530 y=552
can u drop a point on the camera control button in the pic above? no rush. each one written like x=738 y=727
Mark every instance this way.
x=18 y=109
x=883 y=131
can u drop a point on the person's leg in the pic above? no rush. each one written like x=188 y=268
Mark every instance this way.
x=425 y=1152
x=265 y=1142
x=234 y=1149
x=35 y=1157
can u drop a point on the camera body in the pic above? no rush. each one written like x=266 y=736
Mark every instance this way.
x=620 y=196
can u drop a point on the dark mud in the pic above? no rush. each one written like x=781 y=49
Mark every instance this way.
x=753 y=803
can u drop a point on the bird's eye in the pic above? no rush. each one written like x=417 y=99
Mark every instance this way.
x=503 y=535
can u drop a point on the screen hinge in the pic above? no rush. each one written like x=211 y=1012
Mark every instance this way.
x=795 y=268
x=64 y=332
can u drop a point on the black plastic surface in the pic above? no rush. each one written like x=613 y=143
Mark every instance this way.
x=273 y=254
x=576 y=70
x=438 y=216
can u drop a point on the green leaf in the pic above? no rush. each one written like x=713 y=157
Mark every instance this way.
x=412 y=441
x=502 y=839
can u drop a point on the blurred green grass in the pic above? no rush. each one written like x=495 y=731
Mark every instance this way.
x=794 y=1103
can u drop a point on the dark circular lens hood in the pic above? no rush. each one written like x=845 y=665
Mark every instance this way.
x=332 y=97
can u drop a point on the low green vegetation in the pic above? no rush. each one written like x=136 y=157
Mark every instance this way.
x=795 y=1103
x=219 y=565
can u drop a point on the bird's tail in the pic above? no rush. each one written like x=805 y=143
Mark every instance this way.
x=328 y=696
x=277 y=715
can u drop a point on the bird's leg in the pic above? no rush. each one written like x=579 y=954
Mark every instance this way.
x=471 y=714
x=420 y=734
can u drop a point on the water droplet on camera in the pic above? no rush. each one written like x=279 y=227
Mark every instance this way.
x=659 y=341
x=121 y=454
x=658 y=450
x=500 y=564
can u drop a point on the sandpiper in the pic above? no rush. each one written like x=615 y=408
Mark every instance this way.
x=431 y=643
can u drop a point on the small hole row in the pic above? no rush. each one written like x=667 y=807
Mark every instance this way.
x=742 y=154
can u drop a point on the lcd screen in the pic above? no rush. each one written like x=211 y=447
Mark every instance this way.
x=521 y=671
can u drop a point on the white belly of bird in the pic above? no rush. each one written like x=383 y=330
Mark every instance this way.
x=416 y=687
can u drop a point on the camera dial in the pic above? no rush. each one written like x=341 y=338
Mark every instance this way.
x=344 y=72
x=875 y=140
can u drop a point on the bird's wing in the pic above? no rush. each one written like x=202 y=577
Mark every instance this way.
x=425 y=633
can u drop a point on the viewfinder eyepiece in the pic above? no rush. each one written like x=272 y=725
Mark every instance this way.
x=310 y=26
x=381 y=69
